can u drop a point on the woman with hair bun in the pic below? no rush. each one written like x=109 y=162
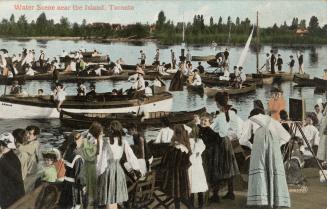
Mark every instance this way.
x=227 y=125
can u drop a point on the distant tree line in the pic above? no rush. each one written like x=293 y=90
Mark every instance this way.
x=167 y=31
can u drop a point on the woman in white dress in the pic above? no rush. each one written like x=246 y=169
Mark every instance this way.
x=112 y=188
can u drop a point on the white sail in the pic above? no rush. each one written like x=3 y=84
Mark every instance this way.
x=245 y=50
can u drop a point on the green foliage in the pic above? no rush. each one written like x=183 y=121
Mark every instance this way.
x=168 y=32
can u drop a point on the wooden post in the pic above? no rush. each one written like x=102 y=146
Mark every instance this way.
x=257 y=43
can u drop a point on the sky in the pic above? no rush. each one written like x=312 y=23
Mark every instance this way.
x=146 y=11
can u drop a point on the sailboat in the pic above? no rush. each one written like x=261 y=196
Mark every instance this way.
x=183 y=35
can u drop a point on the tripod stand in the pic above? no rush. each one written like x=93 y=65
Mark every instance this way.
x=297 y=126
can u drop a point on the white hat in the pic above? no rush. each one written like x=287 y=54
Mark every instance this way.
x=8 y=139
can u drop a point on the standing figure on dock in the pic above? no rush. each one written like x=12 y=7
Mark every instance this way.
x=173 y=59
x=279 y=63
x=272 y=62
x=267 y=64
x=142 y=58
x=241 y=77
x=112 y=188
x=200 y=68
x=188 y=56
x=224 y=128
x=174 y=168
x=276 y=103
x=157 y=58
x=226 y=56
x=300 y=60
x=59 y=95
x=11 y=182
x=267 y=184
x=72 y=188
x=42 y=59
x=291 y=64
x=177 y=81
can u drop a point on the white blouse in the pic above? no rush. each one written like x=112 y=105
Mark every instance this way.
x=231 y=129
x=165 y=135
x=250 y=127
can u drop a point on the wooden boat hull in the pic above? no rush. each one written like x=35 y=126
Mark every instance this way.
x=133 y=67
x=281 y=76
x=197 y=89
x=303 y=81
x=13 y=107
x=83 y=120
x=96 y=59
x=247 y=88
x=203 y=58
x=72 y=77
x=320 y=83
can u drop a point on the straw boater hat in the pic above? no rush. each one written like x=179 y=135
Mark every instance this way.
x=7 y=140
x=139 y=70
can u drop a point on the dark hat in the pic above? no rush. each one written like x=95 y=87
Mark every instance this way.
x=240 y=67
x=195 y=70
x=275 y=90
x=291 y=56
x=325 y=70
x=278 y=55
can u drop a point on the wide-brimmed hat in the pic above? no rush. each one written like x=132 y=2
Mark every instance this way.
x=140 y=71
x=51 y=153
x=8 y=140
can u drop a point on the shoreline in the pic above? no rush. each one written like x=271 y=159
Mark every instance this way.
x=150 y=39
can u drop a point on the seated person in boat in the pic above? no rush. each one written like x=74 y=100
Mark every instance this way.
x=29 y=71
x=148 y=90
x=139 y=84
x=100 y=70
x=161 y=69
x=40 y=92
x=200 y=68
x=59 y=95
x=241 y=78
x=15 y=88
x=312 y=135
x=196 y=78
x=226 y=75
x=91 y=94
x=117 y=68
x=81 y=89
x=95 y=53
x=166 y=133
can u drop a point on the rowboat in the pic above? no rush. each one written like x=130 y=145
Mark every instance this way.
x=84 y=120
x=133 y=67
x=214 y=63
x=303 y=81
x=203 y=58
x=33 y=107
x=197 y=89
x=281 y=76
x=320 y=83
x=73 y=77
x=95 y=59
x=246 y=88
x=265 y=79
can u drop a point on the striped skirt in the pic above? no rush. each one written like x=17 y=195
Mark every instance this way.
x=112 y=185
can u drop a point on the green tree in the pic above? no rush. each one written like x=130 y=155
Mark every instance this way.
x=314 y=24
x=161 y=20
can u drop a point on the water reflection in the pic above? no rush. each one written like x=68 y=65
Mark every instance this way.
x=313 y=55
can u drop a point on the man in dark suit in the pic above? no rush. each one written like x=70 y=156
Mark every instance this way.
x=272 y=62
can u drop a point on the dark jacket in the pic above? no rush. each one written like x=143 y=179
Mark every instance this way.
x=11 y=180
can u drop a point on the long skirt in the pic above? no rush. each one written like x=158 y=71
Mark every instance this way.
x=112 y=185
x=220 y=162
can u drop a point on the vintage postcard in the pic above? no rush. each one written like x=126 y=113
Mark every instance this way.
x=163 y=104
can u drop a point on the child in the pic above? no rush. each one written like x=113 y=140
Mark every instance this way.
x=49 y=172
x=196 y=172
x=174 y=168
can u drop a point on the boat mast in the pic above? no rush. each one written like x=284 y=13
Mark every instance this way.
x=257 y=42
x=183 y=28
x=230 y=26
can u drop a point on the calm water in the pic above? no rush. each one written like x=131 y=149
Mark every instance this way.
x=314 y=63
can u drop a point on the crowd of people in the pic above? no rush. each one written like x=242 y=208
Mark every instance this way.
x=93 y=167
x=271 y=62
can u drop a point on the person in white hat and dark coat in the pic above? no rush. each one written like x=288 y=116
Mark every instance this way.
x=11 y=181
